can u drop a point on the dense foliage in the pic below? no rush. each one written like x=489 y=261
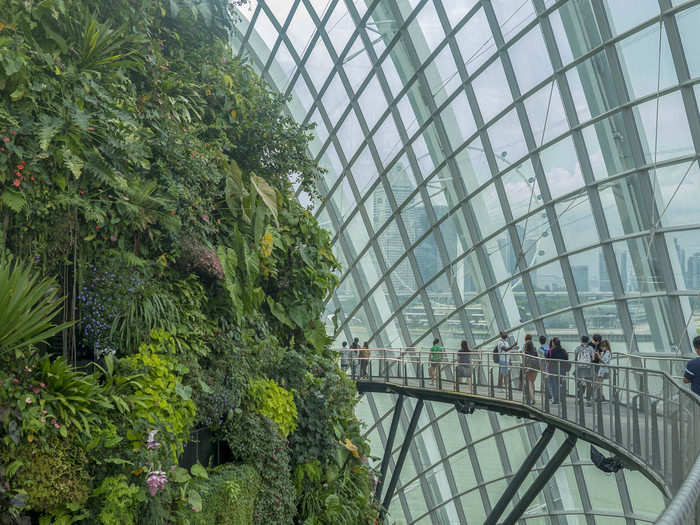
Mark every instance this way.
x=147 y=221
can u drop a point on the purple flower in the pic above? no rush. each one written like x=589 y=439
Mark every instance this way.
x=156 y=481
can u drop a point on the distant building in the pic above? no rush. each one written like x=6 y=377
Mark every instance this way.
x=581 y=278
x=692 y=279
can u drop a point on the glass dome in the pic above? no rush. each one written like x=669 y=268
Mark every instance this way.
x=519 y=165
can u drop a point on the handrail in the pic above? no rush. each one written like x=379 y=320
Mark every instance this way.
x=642 y=414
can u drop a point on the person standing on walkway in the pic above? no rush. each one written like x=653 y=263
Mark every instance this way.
x=543 y=354
x=559 y=367
x=364 y=359
x=504 y=359
x=436 y=352
x=604 y=356
x=354 y=350
x=692 y=369
x=583 y=355
x=344 y=357
x=464 y=366
x=531 y=366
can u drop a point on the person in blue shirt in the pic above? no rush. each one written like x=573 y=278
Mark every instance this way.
x=692 y=369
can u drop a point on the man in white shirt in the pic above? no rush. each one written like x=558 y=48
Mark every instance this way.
x=504 y=359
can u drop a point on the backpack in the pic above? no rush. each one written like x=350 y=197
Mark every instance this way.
x=496 y=357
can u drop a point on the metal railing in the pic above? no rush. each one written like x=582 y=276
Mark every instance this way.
x=644 y=414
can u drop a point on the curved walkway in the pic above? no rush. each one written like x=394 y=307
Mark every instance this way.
x=645 y=418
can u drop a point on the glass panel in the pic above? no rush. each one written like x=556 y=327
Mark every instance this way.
x=529 y=50
x=512 y=16
x=319 y=64
x=679 y=187
x=403 y=280
x=546 y=113
x=507 y=139
x=301 y=29
x=588 y=82
x=562 y=325
x=343 y=200
x=664 y=125
x=428 y=258
x=650 y=322
x=475 y=41
x=442 y=76
x=551 y=288
x=586 y=269
x=491 y=90
x=645 y=273
x=340 y=27
x=646 y=71
x=576 y=17
x=625 y=14
x=473 y=165
x=576 y=222
x=536 y=238
x=415 y=218
x=561 y=167
x=684 y=249
x=501 y=255
x=458 y=120
x=372 y=102
x=364 y=171
x=350 y=135
x=522 y=189
x=688 y=23
x=427 y=23
x=487 y=208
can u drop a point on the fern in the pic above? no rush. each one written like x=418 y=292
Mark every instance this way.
x=48 y=128
x=73 y=163
x=13 y=200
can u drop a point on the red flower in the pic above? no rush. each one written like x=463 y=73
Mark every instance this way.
x=6 y=139
x=20 y=167
x=16 y=182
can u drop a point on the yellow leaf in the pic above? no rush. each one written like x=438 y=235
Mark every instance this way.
x=233 y=113
x=30 y=437
x=90 y=237
x=351 y=447
x=138 y=471
x=58 y=70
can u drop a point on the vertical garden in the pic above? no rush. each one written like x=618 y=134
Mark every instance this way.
x=158 y=276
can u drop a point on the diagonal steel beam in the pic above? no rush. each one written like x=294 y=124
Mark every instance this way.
x=544 y=476
x=520 y=476
x=402 y=457
x=389 y=446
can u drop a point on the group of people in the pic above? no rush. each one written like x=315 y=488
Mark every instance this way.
x=591 y=357
x=350 y=357
x=550 y=359
x=591 y=360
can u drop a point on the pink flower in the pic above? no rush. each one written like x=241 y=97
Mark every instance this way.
x=6 y=139
x=16 y=380
x=42 y=419
x=42 y=385
x=56 y=425
x=156 y=480
x=195 y=509
x=151 y=443
x=28 y=400
x=44 y=412
x=36 y=389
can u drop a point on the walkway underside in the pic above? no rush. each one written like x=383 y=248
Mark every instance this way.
x=466 y=402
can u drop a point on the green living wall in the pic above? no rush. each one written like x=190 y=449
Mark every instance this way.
x=148 y=224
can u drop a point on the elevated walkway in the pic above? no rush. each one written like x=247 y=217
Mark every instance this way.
x=647 y=419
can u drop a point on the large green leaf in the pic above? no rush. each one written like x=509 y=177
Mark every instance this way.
x=267 y=193
x=28 y=306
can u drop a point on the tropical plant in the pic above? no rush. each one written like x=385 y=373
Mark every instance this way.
x=28 y=307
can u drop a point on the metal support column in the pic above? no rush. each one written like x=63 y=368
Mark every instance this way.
x=541 y=480
x=402 y=457
x=520 y=476
x=389 y=445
